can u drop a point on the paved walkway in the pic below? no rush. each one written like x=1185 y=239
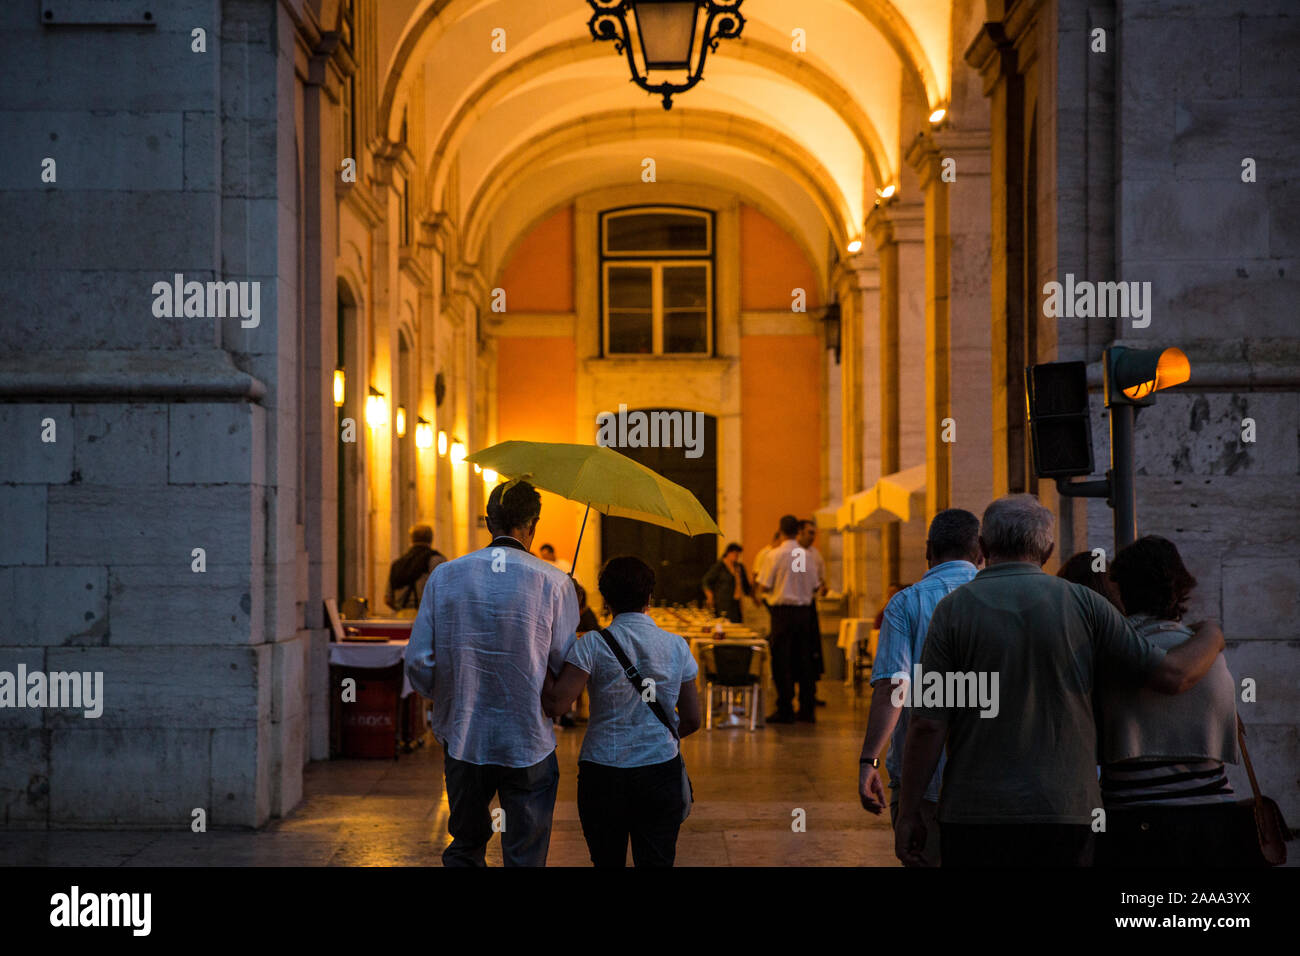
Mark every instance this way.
x=394 y=813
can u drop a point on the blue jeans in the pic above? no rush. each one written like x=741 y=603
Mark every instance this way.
x=527 y=797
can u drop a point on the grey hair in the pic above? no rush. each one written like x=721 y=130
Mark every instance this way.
x=1018 y=526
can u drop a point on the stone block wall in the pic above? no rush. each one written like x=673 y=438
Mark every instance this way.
x=1197 y=90
x=165 y=432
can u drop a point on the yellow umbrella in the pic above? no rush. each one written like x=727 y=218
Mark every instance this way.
x=600 y=478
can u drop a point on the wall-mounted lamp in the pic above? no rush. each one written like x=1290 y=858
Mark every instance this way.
x=887 y=192
x=442 y=444
x=478 y=469
x=458 y=451
x=401 y=421
x=831 y=328
x=376 y=409
x=855 y=246
x=937 y=116
x=423 y=433
x=490 y=477
x=339 y=383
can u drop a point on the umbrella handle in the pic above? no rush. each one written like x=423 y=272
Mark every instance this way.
x=579 y=544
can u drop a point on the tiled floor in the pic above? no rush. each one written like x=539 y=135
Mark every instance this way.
x=394 y=813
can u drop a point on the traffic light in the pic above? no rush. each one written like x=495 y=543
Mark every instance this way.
x=1057 y=396
x=1060 y=430
x=1133 y=376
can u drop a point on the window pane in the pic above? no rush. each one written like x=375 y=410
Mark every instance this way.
x=685 y=287
x=631 y=332
x=631 y=309
x=686 y=317
x=657 y=232
x=686 y=330
x=630 y=287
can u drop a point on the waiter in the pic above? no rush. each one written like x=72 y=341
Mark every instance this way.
x=789 y=582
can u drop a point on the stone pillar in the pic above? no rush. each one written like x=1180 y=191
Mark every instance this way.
x=994 y=55
x=857 y=284
x=898 y=230
x=953 y=166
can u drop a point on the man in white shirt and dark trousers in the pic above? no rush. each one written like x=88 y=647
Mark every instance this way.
x=789 y=582
x=493 y=630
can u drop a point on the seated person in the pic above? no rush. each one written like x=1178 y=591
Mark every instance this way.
x=1166 y=796
x=408 y=574
x=630 y=767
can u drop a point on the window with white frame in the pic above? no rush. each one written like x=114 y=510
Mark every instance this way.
x=656 y=265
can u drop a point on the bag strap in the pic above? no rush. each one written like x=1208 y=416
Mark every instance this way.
x=634 y=675
x=1245 y=758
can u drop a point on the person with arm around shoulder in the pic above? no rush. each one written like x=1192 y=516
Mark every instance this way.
x=630 y=766
x=1166 y=796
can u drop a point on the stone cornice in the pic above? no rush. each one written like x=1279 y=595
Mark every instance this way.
x=111 y=375
x=896 y=221
x=434 y=230
x=928 y=150
x=993 y=54
x=408 y=262
x=360 y=200
x=468 y=280
x=387 y=155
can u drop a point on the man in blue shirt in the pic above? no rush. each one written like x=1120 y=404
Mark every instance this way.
x=952 y=552
x=493 y=630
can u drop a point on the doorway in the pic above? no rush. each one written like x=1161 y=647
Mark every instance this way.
x=679 y=562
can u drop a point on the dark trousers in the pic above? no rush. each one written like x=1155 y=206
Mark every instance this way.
x=527 y=797
x=643 y=803
x=1170 y=836
x=1017 y=844
x=792 y=660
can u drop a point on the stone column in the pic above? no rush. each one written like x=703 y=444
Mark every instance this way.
x=857 y=285
x=898 y=230
x=953 y=166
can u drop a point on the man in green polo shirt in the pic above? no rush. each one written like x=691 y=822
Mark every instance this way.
x=1020 y=784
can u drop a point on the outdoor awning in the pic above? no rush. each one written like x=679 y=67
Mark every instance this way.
x=825 y=518
x=896 y=497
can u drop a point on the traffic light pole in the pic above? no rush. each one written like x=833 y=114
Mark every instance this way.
x=1118 y=487
x=1123 y=492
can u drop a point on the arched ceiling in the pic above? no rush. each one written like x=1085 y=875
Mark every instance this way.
x=818 y=129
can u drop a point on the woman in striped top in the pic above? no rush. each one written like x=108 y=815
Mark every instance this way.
x=1162 y=780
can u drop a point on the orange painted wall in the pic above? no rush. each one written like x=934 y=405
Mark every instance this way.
x=780 y=432
x=771 y=265
x=539 y=276
x=537 y=401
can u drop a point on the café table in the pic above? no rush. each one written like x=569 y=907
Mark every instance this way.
x=362 y=655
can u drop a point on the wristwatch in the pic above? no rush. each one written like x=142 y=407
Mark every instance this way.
x=874 y=761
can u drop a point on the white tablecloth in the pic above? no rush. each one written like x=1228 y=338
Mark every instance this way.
x=371 y=655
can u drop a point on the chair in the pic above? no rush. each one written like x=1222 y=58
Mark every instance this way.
x=728 y=666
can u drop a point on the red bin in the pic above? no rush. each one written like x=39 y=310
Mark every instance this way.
x=369 y=726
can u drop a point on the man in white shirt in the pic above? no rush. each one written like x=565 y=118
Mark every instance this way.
x=493 y=630
x=760 y=558
x=789 y=582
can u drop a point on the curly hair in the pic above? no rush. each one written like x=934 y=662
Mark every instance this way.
x=1152 y=578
